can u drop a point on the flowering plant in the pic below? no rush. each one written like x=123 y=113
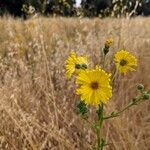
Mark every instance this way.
x=95 y=86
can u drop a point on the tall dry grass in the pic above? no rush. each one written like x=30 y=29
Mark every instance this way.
x=37 y=102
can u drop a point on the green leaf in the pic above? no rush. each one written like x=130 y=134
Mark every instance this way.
x=82 y=108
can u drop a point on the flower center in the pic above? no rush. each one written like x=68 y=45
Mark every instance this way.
x=123 y=62
x=94 y=85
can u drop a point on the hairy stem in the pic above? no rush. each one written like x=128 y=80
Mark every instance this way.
x=125 y=108
x=99 y=127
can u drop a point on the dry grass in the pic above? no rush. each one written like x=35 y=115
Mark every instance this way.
x=37 y=102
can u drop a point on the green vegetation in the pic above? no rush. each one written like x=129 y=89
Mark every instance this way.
x=99 y=8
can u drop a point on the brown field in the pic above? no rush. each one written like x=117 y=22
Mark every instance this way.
x=36 y=100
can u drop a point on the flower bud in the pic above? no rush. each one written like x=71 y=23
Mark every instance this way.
x=78 y=66
x=140 y=87
x=146 y=96
x=106 y=50
x=108 y=42
x=84 y=66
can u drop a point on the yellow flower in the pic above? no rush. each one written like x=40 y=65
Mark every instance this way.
x=125 y=61
x=108 y=42
x=94 y=86
x=75 y=64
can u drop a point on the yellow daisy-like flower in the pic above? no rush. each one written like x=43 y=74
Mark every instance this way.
x=94 y=87
x=109 y=42
x=125 y=61
x=75 y=64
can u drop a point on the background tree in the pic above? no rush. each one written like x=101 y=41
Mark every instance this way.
x=90 y=8
x=61 y=7
x=11 y=6
x=95 y=7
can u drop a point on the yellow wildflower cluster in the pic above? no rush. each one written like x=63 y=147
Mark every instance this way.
x=95 y=85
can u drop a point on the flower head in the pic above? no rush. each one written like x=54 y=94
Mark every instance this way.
x=125 y=61
x=108 y=42
x=75 y=64
x=94 y=86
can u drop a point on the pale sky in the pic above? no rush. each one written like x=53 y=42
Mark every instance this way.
x=78 y=2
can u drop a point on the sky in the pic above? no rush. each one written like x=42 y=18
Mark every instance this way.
x=78 y=2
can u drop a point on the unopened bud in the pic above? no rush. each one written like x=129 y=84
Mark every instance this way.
x=140 y=87
x=108 y=42
x=106 y=50
x=146 y=96
x=78 y=66
x=84 y=66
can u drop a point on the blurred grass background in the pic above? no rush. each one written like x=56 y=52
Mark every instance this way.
x=37 y=102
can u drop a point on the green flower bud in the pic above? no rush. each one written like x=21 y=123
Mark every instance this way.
x=78 y=66
x=105 y=50
x=140 y=87
x=84 y=66
x=146 y=96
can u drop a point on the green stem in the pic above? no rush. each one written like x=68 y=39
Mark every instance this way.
x=125 y=108
x=98 y=138
x=104 y=58
x=99 y=127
